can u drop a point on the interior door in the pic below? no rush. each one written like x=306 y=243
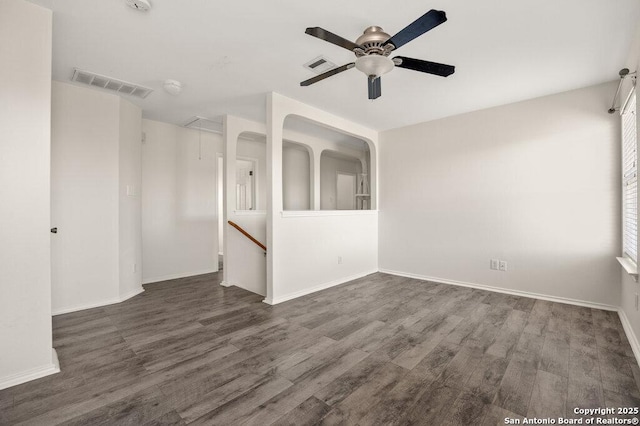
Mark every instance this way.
x=245 y=198
x=346 y=191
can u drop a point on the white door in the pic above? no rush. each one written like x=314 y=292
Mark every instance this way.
x=244 y=185
x=346 y=192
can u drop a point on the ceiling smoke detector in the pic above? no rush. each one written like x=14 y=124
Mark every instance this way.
x=141 y=5
x=173 y=87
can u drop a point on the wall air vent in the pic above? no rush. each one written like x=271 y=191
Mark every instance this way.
x=319 y=65
x=108 y=83
x=211 y=125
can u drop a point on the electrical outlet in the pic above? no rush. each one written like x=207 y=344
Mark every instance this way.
x=503 y=265
x=339 y=260
x=494 y=264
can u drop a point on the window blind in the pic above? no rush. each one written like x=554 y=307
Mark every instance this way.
x=630 y=180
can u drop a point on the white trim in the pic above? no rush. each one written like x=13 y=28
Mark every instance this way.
x=176 y=276
x=84 y=307
x=132 y=293
x=631 y=336
x=294 y=295
x=629 y=266
x=33 y=374
x=566 y=300
x=120 y=299
x=320 y=213
x=227 y=284
x=250 y=212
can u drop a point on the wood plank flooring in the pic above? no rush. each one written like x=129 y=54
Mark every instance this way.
x=376 y=351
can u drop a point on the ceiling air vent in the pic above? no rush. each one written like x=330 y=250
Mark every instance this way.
x=108 y=83
x=212 y=125
x=319 y=65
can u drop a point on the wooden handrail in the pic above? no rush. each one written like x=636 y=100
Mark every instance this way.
x=248 y=235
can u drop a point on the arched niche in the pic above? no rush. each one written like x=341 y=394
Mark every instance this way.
x=297 y=183
x=331 y=152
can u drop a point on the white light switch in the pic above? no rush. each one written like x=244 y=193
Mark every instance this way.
x=494 y=264
x=131 y=190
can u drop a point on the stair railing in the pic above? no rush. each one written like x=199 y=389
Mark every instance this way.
x=248 y=235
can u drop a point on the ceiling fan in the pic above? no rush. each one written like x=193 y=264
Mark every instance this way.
x=372 y=50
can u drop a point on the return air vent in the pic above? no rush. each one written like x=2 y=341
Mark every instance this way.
x=319 y=65
x=108 y=83
x=211 y=125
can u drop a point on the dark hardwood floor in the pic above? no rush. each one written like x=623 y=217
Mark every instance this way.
x=379 y=350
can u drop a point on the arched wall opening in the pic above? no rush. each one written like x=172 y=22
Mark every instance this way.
x=311 y=250
x=331 y=153
x=246 y=200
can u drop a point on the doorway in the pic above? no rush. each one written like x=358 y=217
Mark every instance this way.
x=246 y=169
x=346 y=191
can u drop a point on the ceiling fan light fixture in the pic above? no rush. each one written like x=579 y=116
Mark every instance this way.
x=374 y=65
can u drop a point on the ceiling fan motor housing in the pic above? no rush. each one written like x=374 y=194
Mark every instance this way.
x=372 y=40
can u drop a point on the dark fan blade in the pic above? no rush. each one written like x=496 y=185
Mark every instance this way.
x=426 y=22
x=327 y=74
x=375 y=88
x=332 y=38
x=442 y=70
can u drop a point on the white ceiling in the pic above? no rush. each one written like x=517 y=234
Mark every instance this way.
x=228 y=54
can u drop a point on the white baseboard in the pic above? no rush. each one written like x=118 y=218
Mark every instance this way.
x=633 y=340
x=176 y=276
x=229 y=284
x=132 y=293
x=107 y=302
x=324 y=286
x=557 y=299
x=33 y=374
x=631 y=336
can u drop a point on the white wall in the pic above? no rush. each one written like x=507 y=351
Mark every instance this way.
x=310 y=243
x=304 y=246
x=244 y=262
x=179 y=217
x=130 y=205
x=25 y=119
x=534 y=183
x=95 y=156
x=84 y=197
x=296 y=178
